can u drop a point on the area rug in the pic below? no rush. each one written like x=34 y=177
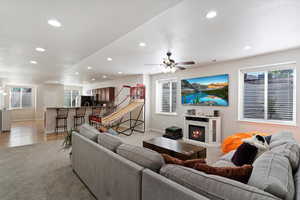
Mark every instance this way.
x=39 y=172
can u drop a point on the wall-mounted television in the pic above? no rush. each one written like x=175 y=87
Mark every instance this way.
x=205 y=91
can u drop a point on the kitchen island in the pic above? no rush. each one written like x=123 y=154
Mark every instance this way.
x=51 y=113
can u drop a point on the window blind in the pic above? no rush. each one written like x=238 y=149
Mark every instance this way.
x=280 y=95
x=167 y=96
x=21 y=98
x=269 y=95
x=165 y=106
x=254 y=95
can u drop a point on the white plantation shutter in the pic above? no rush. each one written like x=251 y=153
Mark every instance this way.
x=167 y=95
x=280 y=95
x=21 y=97
x=174 y=97
x=165 y=105
x=268 y=94
x=254 y=95
x=26 y=97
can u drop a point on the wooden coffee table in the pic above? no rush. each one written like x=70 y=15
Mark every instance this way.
x=176 y=148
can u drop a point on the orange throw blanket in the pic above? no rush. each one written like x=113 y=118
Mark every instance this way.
x=234 y=141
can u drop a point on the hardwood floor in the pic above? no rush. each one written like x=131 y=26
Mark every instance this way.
x=26 y=133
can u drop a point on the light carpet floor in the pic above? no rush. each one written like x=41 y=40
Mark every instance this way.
x=39 y=172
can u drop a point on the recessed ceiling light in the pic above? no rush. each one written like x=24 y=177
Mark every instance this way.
x=109 y=59
x=104 y=76
x=93 y=79
x=77 y=73
x=40 y=49
x=54 y=23
x=33 y=62
x=211 y=14
x=142 y=44
x=120 y=72
x=247 y=47
x=89 y=67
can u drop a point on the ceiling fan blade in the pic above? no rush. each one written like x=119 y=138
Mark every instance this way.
x=186 y=63
x=180 y=68
x=151 y=64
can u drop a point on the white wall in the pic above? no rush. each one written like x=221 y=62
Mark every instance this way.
x=230 y=123
x=48 y=95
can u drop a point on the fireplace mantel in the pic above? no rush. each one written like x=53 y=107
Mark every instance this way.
x=195 y=126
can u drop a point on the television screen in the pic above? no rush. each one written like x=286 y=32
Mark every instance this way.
x=205 y=91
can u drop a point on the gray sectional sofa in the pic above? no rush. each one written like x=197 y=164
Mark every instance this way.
x=107 y=168
x=116 y=171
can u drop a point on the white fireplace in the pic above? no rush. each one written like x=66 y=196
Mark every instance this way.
x=202 y=130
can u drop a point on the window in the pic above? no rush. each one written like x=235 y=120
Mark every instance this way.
x=70 y=97
x=21 y=97
x=268 y=94
x=166 y=96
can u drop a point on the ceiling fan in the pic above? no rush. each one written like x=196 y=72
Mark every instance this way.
x=171 y=66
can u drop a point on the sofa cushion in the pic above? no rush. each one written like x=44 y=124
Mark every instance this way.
x=281 y=138
x=272 y=173
x=291 y=151
x=89 y=132
x=142 y=156
x=109 y=141
x=212 y=186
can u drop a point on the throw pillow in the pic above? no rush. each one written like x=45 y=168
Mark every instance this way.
x=171 y=160
x=245 y=154
x=241 y=174
x=187 y=163
x=268 y=139
x=259 y=142
x=191 y=163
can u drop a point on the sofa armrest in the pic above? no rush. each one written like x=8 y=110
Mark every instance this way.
x=107 y=174
x=155 y=186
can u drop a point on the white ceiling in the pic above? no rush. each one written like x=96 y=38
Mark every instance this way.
x=87 y=26
x=93 y=28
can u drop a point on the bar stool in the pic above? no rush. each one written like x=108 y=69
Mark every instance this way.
x=62 y=114
x=79 y=114
x=96 y=111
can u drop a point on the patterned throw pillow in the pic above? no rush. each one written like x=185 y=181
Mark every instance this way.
x=187 y=163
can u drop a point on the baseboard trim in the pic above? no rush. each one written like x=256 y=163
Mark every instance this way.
x=23 y=120
x=53 y=131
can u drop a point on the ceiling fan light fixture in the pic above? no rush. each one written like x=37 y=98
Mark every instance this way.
x=211 y=14
x=54 y=23
x=142 y=44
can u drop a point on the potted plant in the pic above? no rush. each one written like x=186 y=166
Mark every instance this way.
x=67 y=143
